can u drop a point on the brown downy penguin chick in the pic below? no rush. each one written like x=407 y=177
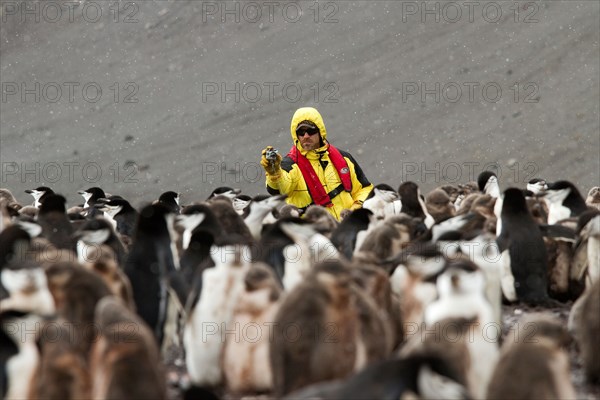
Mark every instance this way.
x=593 y=198
x=375 y=282
x=125 y=360
x=29 y=212
x=231 y=221
x=385 y=239
x=7 y=196
x=538 y=209
x=588 y=332
x=63 y=371
x=326 y=328
x=534 y=364
x=76 y=291
x=287 y=210
x=467 y=202
x=322 y=220
x=246 y=365
x=585 y=264
x=103 y=261
x=439 y=205
x=452 y=191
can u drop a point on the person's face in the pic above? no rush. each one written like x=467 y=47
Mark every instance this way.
x=309 y=139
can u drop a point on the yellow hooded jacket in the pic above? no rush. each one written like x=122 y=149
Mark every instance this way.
x=291 y=181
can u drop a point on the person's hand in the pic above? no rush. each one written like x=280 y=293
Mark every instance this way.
x=272 y=167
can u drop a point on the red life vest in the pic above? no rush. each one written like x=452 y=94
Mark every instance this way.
x=314 y=185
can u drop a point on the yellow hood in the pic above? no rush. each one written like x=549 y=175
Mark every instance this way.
x=307 y=114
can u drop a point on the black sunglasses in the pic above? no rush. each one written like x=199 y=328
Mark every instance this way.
x=310 y=131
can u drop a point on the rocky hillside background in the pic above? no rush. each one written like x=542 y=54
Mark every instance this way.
x=144 y=97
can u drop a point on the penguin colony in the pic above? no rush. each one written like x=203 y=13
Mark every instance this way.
x=401 y=299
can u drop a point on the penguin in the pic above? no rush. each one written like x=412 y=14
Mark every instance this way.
x=375 y=282
x=76 y=291
x=487 y=182
x=24 y=302
x=125 y=359
x=258 y=209
x=417 y=376
x=464 y=190
x=55 y=224
x=593 y=198
x=39 y=194
x=452 y=191
x=96 y=232
x=485 y=253
x=464 y=224
x=9 y=208
x=210 y=317
x=385 y=239
x=585 y=266
x=63 y=371
x=198 y=216
x=564 y=201
x=413 y=278
x=121 y=214
x=29 y=212
x=535 y=363
x=413 y=203
x=225 y=191
x=241 y=203
x=309 y=248
x=170 y=199
x=383 y=201
x=588 y=329
x=231 y=221
x=461 y=289
x=439 y=205
x=15 y=242
x=326 y=328
x=270 y=247
x=101 y=260
x=246 y=366
x=91 y=197
x=321 y=220
x=344 y=236
x=7 y=196
x=149 y=266
x=286 y=210
x=588 y=248
x=523 y=252
x=537 y=186
x=559 y=242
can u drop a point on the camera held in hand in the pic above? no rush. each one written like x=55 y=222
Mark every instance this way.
x=271 y=154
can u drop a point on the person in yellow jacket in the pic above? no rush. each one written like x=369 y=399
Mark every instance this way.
x=314 y=171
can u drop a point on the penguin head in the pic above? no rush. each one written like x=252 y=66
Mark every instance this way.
x=459 y=278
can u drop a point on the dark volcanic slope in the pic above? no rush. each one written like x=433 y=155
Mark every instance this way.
x=357 y=65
